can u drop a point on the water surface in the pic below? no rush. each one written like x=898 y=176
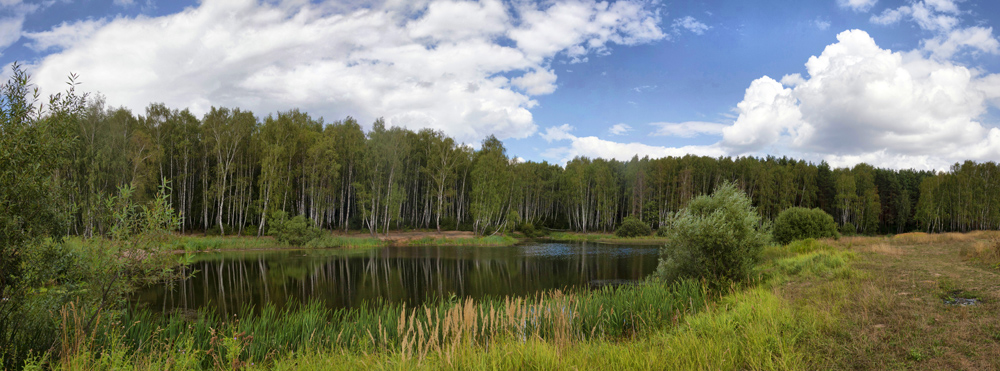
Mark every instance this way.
x=347 y=278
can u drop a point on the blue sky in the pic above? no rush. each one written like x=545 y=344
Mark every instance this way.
x=901 y=84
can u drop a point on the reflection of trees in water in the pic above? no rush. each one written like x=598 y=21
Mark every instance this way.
x=229 y=283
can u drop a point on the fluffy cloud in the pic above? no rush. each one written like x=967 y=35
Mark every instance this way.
x=468 y=68
x=592 y=146
x=688 y=129
x=64 y=35
x=941 y=18
x=864 y=103
x=979 y=39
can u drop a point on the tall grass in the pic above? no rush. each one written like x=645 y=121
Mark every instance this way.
x=441 y=328
x=985 y=251
x=219 y=243
x=750 y=330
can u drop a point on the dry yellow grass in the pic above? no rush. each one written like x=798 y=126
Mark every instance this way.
x=921 y=238
x=985 y=250
x=881 y=247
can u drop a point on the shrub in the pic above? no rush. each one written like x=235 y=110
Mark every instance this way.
x=799 y=223
x=718 y=237
x=848 y=229
x=529 y=230
x=633 y=227
x=295 y=231
x=250 y=230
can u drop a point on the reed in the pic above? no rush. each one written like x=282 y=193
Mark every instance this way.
x=440 y=329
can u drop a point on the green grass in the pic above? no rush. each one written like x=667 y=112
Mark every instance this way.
x=462 y=241
x=327 y=242
x=604 y=238
x=218 y=243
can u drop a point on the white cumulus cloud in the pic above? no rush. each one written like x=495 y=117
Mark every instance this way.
x=468 y=68
x=864 y=103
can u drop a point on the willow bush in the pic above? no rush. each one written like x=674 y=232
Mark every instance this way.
x=718 y=238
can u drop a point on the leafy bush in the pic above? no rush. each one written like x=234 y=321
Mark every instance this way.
x=799 y=223
x=848 y=229
x=530 y=231
x=717 y=237
x=250 y=230
x=296 y=231
x=633 y=227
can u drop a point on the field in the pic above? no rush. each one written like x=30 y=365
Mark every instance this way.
x=905 y=313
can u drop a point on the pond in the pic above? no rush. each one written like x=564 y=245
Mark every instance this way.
x=348 y=278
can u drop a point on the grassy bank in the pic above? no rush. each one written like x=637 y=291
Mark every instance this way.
x=609 y=238
x=460 y=241
x=191 y=243
x=327 y=241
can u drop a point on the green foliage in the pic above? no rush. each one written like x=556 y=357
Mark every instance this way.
x=491 y=187
x=633 y=227
x=717 y=237
x=33 y=213
x=529 y=230
x=296 y=231
x=800 y=223
x=848 y=229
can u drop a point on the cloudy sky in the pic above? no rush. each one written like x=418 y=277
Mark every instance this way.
x=894 y=83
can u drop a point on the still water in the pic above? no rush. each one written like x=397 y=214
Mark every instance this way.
x=346 y=278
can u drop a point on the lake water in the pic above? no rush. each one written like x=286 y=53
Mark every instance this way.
x=347 y=278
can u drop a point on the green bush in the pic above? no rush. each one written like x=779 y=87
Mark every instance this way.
x=633 y=227
x=250 y=230
x=848 y=229
x=296 y=231
x=718 y=237
x=799 y=223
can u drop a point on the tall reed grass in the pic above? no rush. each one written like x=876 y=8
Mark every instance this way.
x=439 y=329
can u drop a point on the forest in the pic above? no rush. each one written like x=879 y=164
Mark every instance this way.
x=230 y=169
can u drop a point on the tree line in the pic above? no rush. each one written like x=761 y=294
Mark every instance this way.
x=229 y=170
